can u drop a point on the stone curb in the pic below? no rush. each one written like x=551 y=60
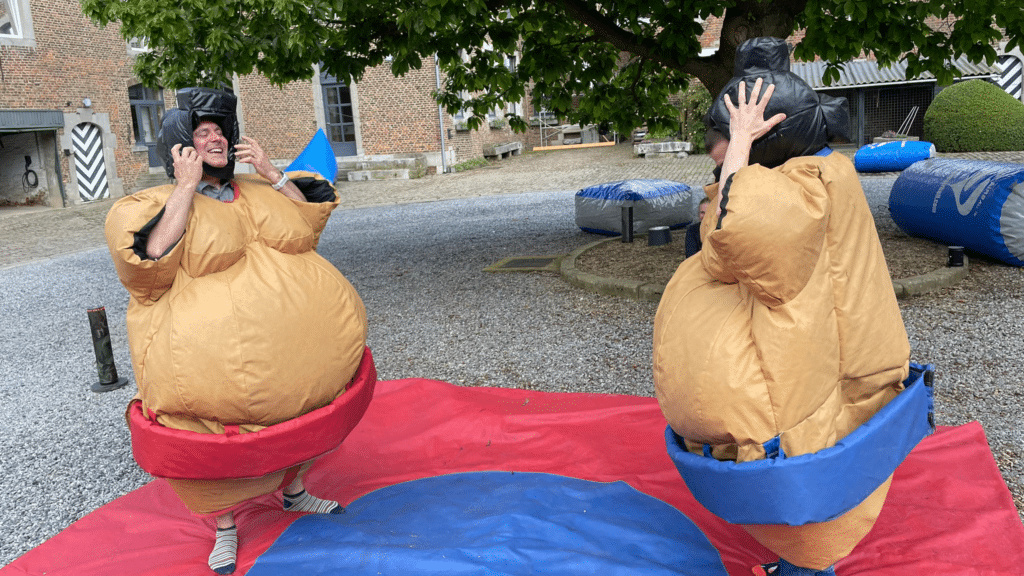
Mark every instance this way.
x=938 y=278
x=634 y=289
x=652 y=291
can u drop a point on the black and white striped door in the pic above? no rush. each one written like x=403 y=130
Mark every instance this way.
x=1010 y=78
x=87 y=141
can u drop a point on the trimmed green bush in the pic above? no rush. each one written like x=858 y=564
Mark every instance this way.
x=974 y=116
x=470 y=164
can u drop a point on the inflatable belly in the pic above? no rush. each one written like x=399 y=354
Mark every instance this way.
x=271 y=338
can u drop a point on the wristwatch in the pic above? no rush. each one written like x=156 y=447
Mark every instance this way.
x=280 y=183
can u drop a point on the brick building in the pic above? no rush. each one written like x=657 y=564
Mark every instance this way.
x=65 y=116
x=76 y=125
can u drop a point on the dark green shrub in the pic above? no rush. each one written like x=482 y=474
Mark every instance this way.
x=974 y=116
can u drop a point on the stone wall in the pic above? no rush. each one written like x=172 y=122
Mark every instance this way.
x=282 y=119
x=399 y=115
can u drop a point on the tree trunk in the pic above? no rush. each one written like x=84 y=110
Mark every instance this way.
x=748 y=19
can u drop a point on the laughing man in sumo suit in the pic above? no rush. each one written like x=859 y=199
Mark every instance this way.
x=783 y=335
x=248 y=347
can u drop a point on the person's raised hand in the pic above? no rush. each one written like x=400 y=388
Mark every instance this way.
x=249 y=152
x=188 y=167
x=746 y=120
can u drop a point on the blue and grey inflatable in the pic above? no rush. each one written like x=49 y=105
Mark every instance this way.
x=974 y=204
x=654 y=202
x=892 y=156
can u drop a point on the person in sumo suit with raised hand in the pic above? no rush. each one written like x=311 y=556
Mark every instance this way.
x=782 y=335
x=248 y=347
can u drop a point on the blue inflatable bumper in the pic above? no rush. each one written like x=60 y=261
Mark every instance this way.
x=892 y=156
x=974 y=204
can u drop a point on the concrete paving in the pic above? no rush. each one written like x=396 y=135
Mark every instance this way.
x=34 y=233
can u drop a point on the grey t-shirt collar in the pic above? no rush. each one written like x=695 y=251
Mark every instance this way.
x=225 y=192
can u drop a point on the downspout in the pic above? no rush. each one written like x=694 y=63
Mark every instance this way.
x=440 y=118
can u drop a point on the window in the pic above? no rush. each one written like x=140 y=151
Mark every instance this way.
x=16 y=24
x=463 y=113
x=147 y=106
x=9 y=23
x=136 y=45
x=339 y=114
x=512 y=107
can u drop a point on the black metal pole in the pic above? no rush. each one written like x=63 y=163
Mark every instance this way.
x=627 y=224
x=108 y=379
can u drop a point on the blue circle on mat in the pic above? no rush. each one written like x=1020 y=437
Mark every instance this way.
x=496 y=523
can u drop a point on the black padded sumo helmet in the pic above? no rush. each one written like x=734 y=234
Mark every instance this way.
x=812 y=119
x=197 y=105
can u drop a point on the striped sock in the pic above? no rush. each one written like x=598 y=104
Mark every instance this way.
x=306 y=502
x=222 y=559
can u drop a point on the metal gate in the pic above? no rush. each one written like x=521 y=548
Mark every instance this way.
x=87 y=141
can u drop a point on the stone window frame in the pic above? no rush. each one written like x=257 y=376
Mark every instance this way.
x=138 y=46
x=463 y=113
x=152 y=98
x=497 y=113
x=20 y=13
x=513 y=107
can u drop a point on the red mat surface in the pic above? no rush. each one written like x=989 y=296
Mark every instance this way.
x=948 y=512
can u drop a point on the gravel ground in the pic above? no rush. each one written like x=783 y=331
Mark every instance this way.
x=64 y=450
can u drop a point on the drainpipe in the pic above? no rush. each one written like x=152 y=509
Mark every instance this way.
x=440 y=117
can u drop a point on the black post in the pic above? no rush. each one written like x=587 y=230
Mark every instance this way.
x=627 y=224
x=104 y=352
x=955 y=258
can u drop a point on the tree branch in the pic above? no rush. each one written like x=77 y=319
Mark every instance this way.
x=609 y=30
x=639 y=75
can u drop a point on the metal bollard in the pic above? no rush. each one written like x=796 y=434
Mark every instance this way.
x=627 y=224
x=955 y=258
x=108 y=379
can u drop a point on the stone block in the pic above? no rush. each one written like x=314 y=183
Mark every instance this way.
x=390 y=174
x=503 y=150
x=646 y=148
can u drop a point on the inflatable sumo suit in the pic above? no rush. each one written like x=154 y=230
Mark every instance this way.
x=248 y=347
x=783 y=335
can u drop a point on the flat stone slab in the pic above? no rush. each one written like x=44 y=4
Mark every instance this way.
x=409 y=163
x=645 y=148
x=364 y=175
x=503 y=150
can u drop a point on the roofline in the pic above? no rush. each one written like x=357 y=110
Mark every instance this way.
x=897 y=83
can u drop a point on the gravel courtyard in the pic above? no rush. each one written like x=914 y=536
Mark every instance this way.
x=434 y=313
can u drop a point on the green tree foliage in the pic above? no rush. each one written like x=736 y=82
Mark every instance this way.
x=695 y=104
x=974 y=116
x=614 y=63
